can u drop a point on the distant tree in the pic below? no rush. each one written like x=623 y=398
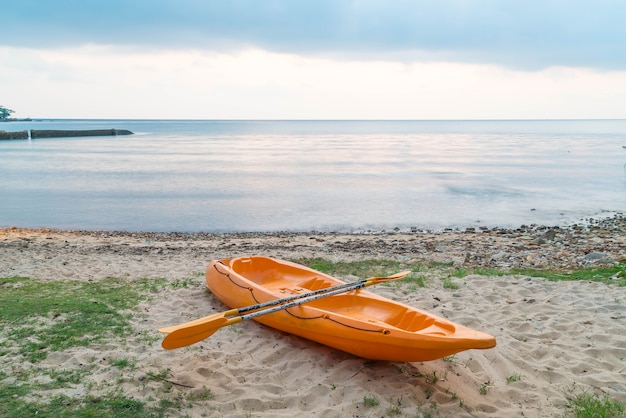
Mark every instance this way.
x=5 y=113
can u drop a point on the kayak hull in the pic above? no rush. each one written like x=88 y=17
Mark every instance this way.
x=358 y=321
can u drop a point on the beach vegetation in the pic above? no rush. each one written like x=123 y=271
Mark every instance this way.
x=432 y=378
x=186 y=283
x=39 y=317
x=56 y=315
x=124 y=363
x=361 y=268
x=448 y=283
x=483 y=389
x=612 y=274
x=65 y=406
x=204 y=394
x=5 y=113
x=452 y=394
x=450 y=359
x=615 y=274
x=415 y=280
x=591 y=405
x=370 y=401
x=514 y=378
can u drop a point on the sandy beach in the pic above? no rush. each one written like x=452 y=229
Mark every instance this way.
x=554 y=338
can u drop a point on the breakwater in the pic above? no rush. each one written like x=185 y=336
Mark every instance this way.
x=62 y=133
x=14 y=135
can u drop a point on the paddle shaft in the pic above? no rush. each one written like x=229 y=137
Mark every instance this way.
x=309 y=294
x=297 y=296
x=339 y=289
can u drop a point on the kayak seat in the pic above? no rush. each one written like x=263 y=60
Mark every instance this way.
x=437 y=330
x=410 y=321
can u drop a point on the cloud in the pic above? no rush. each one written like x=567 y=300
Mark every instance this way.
x=518 y=34
x=98 y=82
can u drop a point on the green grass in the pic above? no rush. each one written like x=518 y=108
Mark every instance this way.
x=370 y=401
x=65 y=406
x=56 y=315
x=361 y=269
x=448 y=283
x=382 y=267
x=590 y=405
x=514 y=378
x=613 y=275
x=38 y=317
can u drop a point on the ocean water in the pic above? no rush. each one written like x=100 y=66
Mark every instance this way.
x=228 y=176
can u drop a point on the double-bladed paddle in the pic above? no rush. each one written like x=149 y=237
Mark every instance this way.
x=191 y=332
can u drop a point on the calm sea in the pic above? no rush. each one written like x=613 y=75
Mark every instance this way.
x=218 y=176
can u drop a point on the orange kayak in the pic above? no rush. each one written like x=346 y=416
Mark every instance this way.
x=358 y=321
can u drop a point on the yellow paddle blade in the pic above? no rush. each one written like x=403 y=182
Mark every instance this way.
x=195 y=333
x=374 y=280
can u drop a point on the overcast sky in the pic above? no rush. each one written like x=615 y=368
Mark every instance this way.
x=321 y=59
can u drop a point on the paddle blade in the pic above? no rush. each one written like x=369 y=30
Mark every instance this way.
x=375 y=280
x=188 y=335
x=399 y=275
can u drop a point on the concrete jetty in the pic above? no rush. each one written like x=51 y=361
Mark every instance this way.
x=62 y=133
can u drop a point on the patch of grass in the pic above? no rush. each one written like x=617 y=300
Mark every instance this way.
x=420 y=280
x=46 y=316
x=124 y=363
x=382 y=267
x=370 y=401
x=38 y=317
x=64 y=406
x=483 y=389
x=185 y=283
x=204 y=395
x=514 y=378
x=591 y=405
x=614 y=275
x=449 y=284
x=362 y=268
x=63 y=378
x=161 y=375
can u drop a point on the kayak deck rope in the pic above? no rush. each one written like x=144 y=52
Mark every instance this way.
x=251 y=290
x=382 y=331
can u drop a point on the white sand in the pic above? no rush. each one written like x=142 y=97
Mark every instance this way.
x=558 y=337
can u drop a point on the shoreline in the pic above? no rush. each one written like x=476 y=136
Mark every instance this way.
x=601 y=242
